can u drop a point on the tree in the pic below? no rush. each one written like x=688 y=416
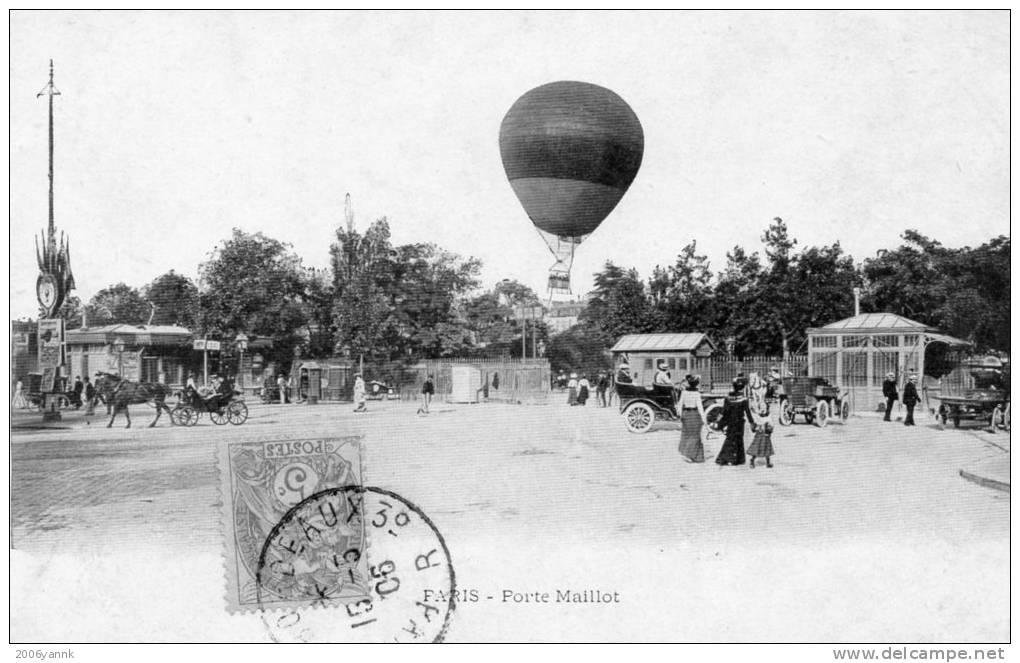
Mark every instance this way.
x=70 y=311
x=256 y=285
x=581 y=348
x=362 y=272
x=964 y=292
x=491 y=319
x=118 y=304
x=175 y=298
x=399 y=302
x=619 y=304
x=428 y=282
x=682 y=293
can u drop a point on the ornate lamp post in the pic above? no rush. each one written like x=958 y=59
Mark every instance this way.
x=242 y=345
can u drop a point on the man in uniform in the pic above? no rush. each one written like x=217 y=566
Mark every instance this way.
x=911 y=398
x=890 y=393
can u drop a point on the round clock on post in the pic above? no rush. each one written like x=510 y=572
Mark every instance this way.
x=47 y=289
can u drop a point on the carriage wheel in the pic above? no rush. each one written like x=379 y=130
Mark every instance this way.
x=996 y=420
x=186 y=415
x=219 y=417
x=712 y=415
x=822 y=414
x=237 y=413
x=844 y=410
x=639 y=417
x=786 y=413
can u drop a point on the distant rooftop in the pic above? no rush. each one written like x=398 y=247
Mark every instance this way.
x=871 y=321
x=660 y=342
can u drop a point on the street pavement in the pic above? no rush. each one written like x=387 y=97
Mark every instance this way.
x=863 y=531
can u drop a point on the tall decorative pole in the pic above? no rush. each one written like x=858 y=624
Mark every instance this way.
x=51 y=91
x=55 y=278
x=55 y=281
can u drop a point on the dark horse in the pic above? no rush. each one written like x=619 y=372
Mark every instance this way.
x=117 y=392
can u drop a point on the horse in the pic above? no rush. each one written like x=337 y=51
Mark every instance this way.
x=117 y=392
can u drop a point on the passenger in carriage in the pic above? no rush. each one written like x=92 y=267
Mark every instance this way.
x=623 y=374
x=662 y=377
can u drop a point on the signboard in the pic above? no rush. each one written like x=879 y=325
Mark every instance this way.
x=20 y=342
x=529 y=312
x=207 y=345
x=131 y=365
x=51 y=342
x=49 y=377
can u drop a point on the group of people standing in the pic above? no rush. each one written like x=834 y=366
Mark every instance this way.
x=579 y=389
x=910 y=396
x=736 y=410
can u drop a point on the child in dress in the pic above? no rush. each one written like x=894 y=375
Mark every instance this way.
x=762 y=444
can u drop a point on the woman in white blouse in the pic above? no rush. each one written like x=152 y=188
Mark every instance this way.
x=692 y=418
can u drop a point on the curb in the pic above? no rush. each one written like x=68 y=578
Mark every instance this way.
x=985 y=481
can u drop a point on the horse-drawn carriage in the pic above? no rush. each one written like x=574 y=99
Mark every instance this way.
x=221 y=409
x=641 y=406
x=813 y=398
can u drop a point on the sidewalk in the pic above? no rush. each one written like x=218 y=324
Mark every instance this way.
x=989 y=464
x=991 y=470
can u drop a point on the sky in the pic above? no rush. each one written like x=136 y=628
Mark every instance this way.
x=174 y=128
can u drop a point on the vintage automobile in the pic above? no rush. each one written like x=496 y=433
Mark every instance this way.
x=641 y=406
x=813 y=398
x=976 y=389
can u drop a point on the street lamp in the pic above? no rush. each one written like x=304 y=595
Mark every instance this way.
x=242 y=345
x=118 y=347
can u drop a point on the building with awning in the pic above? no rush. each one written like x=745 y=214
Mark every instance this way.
x=682 y=353
x=138 y=352
x=856 y=353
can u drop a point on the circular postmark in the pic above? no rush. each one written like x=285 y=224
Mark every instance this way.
x=355 y=564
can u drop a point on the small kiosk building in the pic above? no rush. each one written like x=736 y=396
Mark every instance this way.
x=858 y=352
x=682 y=353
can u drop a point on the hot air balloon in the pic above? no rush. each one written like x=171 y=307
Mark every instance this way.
x=570 y=151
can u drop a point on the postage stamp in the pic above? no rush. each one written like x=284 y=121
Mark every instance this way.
x=410 y=582
x=261 y=482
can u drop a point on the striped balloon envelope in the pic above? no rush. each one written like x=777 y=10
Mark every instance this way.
x=570 y=151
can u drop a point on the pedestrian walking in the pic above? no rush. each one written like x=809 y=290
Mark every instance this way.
x=359 y=393
x=692 y=421
x=583 y=389
x=281 y=385
x=911 y=399
x=890 y=393
x=761 y=446
x=572 y=390
x=90 y=398
x=76 y=392
x=734 y=412
x=19 y=401
x=428 y=389
x=601 y=384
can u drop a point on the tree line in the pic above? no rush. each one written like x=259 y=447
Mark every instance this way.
x=377 y=300
x=763 y=301
x=419 y=301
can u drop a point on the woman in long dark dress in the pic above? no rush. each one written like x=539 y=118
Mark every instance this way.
x=692 y=418
x=735 y=410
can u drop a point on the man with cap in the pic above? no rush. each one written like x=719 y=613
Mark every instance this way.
x=890 y=393
x=910 y=399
